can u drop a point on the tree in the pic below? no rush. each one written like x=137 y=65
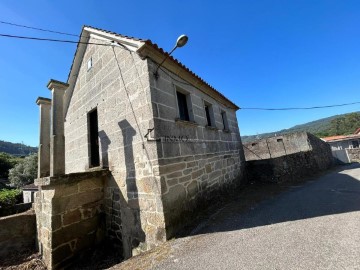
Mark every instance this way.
x=24 y=172
x=6 y=163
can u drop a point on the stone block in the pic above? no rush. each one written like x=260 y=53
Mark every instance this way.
x=215 y=174
x=175 y=197
x=71 y=217
x=185 y=179
x=197 y=173
x=208 y=168
x=171 y=149
x=63 y=204
x=172 y=168
x=174 y=175
x=60 y=254
x=74 y=231
x=172 y=182
x=89 y=184
x=192 y=189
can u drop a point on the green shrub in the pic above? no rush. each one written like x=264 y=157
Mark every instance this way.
x=9 y=197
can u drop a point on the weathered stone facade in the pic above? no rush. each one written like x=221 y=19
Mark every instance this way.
x=160 y=167
x=17 y=233
x=354 y=154
x=69 y=215
x=290 y=157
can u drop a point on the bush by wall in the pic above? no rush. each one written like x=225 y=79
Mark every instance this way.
x=10 y=197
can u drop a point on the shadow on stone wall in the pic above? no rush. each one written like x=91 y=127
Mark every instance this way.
x=123 y=211
x=289 y=168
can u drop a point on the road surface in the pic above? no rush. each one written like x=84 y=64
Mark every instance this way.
x=312 y=226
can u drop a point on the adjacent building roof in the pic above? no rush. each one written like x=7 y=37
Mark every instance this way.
x=340 y=138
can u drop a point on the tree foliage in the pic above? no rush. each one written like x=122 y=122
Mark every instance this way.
x=343 y=125
x=24 y=172
x=6 y=163
x=16 y=149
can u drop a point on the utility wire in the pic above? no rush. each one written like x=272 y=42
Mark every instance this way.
x=183 y=82
x=53 y=40
x=302 y=108
x=39 y=29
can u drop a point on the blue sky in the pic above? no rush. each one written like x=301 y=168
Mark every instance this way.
x=265 y=53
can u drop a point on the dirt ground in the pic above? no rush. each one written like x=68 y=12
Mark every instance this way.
x=23 y=261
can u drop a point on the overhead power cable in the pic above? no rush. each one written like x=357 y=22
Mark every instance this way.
x=39 y=29
x=53 y=40
x=102 y=44
x=301 y=108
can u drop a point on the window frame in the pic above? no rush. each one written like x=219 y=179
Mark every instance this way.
x=188 y=104
x=94 y=157
x=211 y=116
x=224 y=120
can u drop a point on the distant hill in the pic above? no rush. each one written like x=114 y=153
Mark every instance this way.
x=342 y=124
x=17 y=149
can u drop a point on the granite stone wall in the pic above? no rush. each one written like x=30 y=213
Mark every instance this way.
x=196 y=162
x=277 y=146
x=118 y=87
x=69 y=215
x=294 y=166
x=354 y=154
x=17 y=233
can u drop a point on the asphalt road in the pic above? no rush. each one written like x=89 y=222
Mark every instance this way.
x=312 y=226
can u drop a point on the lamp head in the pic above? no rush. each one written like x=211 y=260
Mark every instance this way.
x=181 y=41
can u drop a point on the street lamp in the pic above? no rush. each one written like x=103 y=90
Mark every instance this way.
x=180 y=42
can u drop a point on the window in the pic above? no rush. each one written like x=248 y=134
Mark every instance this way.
x=279 y=140
x=224 y=120
x=207 y=112
x=355 y=144
x=94 y=139
x=182 y=100
x=89 y=64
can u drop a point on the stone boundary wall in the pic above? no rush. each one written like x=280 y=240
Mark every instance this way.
x=290 y=168
x=354 y=154
x=17 y=233
x=15 y=209
x=188 y=183
x=277 y=146
x=321 y=152
x=69 y=215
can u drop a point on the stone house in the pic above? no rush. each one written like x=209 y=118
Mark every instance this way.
x=126 y=154
x=343 y=141
x=345 y=148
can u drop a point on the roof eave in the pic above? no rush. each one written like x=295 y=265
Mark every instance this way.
x=151 y=51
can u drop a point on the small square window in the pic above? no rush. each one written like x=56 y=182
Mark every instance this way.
x=89 y=64
x=224 y=120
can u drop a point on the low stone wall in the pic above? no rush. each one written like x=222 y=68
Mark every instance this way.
x=288 y=168
x=15 y=209
x=69 y=215
x=17 y=233
x=354 y=154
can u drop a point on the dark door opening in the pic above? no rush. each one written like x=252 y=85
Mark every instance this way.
x=94 y=139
